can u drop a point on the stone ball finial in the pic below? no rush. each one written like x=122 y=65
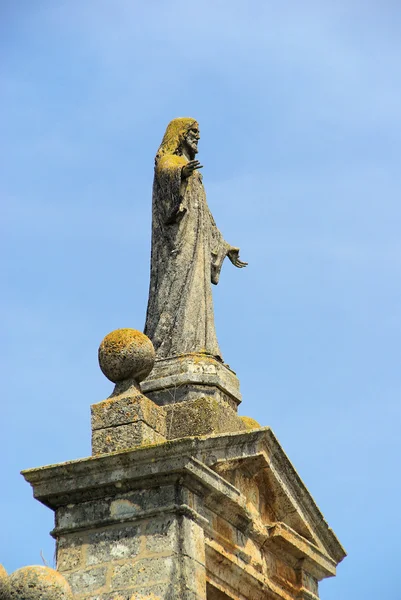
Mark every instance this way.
x=250 y=423
x=126 y=354
x=4 y=584
x=38 y=583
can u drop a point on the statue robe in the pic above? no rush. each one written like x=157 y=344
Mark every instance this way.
x=187 y=254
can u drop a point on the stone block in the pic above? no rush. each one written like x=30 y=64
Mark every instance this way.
x=88 y=580
x=175 y=534
x=74 y=516
x=192 y=540
x=202 y=416
x=125 y=421
x=111 y=544
x=69 y=552
x=124 y=437
x=127 y=408
x=161 y=535
x=189 y=376
x=192 y=575
x=125 y=507
x=143 y=572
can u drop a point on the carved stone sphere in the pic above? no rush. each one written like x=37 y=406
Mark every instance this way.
x=126 y=354
x=4 y=584
x=38 y=583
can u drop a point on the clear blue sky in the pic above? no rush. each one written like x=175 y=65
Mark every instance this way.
x=299 y=105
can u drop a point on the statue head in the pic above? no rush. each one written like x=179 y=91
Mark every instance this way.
x=181 y=135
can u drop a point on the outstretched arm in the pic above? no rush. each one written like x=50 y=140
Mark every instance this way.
x=233 y=255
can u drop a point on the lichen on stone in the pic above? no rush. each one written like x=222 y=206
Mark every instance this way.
x=4 y=584
x=119 y=339
x=174 y=135
x=250 y=423
x=126 y=353
x=38 y=583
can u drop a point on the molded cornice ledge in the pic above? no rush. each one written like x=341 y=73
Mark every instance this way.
x=191 y=463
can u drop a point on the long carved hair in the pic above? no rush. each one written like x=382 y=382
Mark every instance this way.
x=174 y=136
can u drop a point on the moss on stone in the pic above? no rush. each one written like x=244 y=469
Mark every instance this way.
x=174 y=135
x=118 y=340
x=39 y=583
x=250 y=423
x=4 y=584
x=126 y=354
x=202 y=416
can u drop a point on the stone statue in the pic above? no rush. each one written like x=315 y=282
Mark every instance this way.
x=187 y=250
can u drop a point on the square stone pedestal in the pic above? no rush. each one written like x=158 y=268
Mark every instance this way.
x=208 y=518
x=189 y=377
x=126 y=420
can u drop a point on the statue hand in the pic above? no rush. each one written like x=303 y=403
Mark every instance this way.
x=190 y=167
x=233 y=255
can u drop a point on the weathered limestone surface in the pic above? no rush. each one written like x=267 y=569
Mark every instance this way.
x=201 y=416
x=126 y=354
x=159 y=555
x=4 y=584
x=193 y=518
x=126 y=420
x=182 y=499
x=129 y=420
x=190 y=376
x=191 y=395
x=38 y=583
x=187 y=249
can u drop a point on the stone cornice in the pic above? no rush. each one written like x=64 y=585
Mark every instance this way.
x=192 y=461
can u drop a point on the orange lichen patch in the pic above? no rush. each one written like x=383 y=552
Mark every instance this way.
x=198 y=357
x=126 y=354
x=4 y=584
x=118 y=340
x=174 y=135
x=250 y=423
x=39 y=583
x=170 y=162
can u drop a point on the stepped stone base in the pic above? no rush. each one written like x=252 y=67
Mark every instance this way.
x=190 y=376
x=207 y=518
x=130 y=419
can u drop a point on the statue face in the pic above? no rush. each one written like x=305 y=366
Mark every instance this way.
x=191 y=141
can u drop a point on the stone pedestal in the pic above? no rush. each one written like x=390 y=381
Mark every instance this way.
x=201 y=416
x=125 y=420
x=189 y=377
x=129 y=419
x=182 y=498
x=207 y=518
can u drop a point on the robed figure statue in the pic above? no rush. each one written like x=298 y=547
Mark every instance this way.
x=187 y=250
